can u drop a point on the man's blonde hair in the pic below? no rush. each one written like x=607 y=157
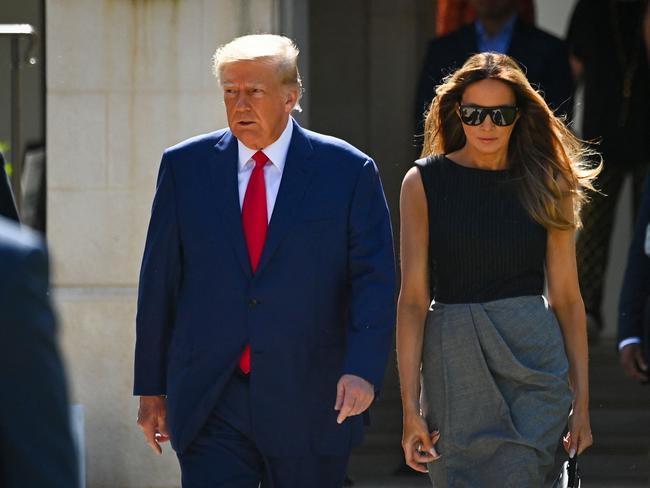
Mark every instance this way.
x=271 y=48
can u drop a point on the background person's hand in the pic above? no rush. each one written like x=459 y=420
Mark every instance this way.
x=633 y=363
x=418 y=443
x=353 y=396
x=579 y=436
x=151 y=419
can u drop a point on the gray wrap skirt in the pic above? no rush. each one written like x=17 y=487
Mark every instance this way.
x=494 y=382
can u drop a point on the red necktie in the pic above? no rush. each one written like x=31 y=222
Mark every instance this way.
x=255 y=221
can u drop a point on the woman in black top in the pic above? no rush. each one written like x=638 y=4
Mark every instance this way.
x=493 y=204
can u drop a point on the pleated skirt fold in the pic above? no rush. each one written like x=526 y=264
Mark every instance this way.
x=494 y=382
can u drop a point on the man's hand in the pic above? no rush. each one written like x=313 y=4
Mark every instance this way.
x=151 y=419
x=353 y=396
x=633 y=363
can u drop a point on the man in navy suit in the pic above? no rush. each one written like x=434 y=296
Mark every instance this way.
x=498 y=28
x=266 y=299
x=36 y=448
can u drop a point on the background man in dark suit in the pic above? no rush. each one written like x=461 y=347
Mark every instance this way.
x=498 y=28
x=266 y=299
x=7 y=204
x=609 y=57
x=633 y=333
x=36 y=448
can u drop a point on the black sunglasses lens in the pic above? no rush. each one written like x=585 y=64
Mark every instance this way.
x=503 y=116
x=497 y=117
x=472 y=115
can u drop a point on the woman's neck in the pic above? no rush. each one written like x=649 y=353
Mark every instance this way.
x=468 y=156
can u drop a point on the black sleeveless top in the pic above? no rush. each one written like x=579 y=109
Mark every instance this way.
x=483 y=244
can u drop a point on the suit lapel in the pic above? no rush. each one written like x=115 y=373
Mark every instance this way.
x=224 y=175
x=297 y=172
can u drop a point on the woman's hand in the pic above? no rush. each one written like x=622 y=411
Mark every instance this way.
x=579 y=437
x=418 y=443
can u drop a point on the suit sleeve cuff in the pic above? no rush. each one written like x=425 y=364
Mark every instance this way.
x=628 y=341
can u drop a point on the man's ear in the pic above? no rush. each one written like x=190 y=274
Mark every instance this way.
x=291 y=99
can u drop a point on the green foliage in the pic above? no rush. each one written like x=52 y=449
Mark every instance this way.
x=4 y=149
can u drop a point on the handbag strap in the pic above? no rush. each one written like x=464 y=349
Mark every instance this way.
x=572 y=468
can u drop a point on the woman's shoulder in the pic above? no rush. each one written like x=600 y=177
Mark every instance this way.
x=432 y=161
x=430 y=171
x=431 y=168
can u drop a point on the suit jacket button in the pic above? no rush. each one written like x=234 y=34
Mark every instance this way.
x=253 y=302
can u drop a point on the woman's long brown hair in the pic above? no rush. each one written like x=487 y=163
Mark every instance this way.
x=546 y=159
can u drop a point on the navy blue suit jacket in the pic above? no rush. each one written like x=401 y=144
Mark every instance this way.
x=632 y=309
x=321 y=303
x=36 y=448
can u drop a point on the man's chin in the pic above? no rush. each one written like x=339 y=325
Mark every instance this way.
x=247 y=136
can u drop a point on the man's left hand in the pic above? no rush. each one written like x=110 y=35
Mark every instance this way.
x=633 y=362
x=353 y=396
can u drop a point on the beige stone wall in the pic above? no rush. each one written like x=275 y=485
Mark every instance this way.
x=125 y=79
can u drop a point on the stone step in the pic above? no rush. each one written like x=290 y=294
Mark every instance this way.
x=616 y=466
x=621 y=445
x=623 y=430
x=594 y=468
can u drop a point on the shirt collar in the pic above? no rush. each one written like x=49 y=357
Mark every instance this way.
x=506 y=30
x=276 y=152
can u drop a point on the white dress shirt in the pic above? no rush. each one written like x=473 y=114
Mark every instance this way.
x=628 y=341
x=277 y=154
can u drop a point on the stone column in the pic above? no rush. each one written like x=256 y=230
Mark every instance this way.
x=125 y=79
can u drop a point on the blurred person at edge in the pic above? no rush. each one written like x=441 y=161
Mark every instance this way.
x=489 y=211
x=610 y=58
x=498 y=28
x=634 y=309
x=7 y=203
x=266 y=301
x=36 y=447
x=634 y=302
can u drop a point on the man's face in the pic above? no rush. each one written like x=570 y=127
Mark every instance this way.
x=494 y=9
x=257 y=103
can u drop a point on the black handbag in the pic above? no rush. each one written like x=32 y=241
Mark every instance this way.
x=569 y=476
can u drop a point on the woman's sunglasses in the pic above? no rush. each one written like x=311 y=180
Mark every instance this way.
x=503 y=115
